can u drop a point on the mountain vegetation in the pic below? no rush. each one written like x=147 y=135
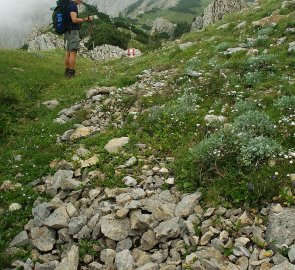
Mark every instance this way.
x=225 y=114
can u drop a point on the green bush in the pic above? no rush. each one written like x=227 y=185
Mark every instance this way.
x=261 y=62
x=254 y=123
x=108 y=34
x=222 y=47
x=286 y=103
x=243 y=106
x=258 y=149
x=181 y=28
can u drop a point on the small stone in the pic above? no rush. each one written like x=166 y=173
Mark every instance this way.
x=206 y=238
x=170 y=181
x=108 y=256
x=124 y=260
x=291 y=254
x=14 y=207
x=244 y=219
x=224 y=236
x=209 y=212
x=71 y=261
x=121 y=213
x=80 y=133
x=20 y=239
x=89 y=162
x=115 y=145
x=129 y=181
x=277 y=208
x=163 y=171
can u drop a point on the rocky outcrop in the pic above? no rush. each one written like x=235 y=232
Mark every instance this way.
x=197 y=24
x=45 y=42
x=162 y=26
x=218 y=8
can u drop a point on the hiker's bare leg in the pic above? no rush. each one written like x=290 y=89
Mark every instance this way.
x=72 y=59
x=67 y=58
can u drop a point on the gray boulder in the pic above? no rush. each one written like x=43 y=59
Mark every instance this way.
x=43 y=238
x=162 y=26
x=280 y=229
x=284 y=266
x=71 y=261
x=124 y=260
x=115 y=229
x=187 y=205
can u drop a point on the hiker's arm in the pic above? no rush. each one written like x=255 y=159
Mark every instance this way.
x=75 y=19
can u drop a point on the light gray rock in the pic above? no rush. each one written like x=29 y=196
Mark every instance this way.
x=280 y=228
x=168 y=229
x=187 y=204
x=43 y=238
x=162 y=26
x=51 y=104
x=140 y=221
x=20 y=239
x=148 y=240
x=291 y=254
x=149 y=266
x=58 y=219
x=284 y=266
x=129 y=181
x=96 y=266
x=71 y=261
x=108 y=256
x=124 y=260
x=124 y=244
x=231 y=51
x=186 y=45
x=14 y=207
x=46 y=266
x=59 y=177
x=76 y=224
x=115 y=145
x=45 y=42
x=115 y=229
x=138 y=193
x=291 y=47
x=197 y=24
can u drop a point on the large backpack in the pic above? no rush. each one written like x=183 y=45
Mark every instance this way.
x=60 y=17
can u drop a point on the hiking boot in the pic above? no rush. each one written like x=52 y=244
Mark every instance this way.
x=70 y=73
x=66 y=72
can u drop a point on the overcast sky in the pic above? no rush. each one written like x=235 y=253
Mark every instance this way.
x=19 y=16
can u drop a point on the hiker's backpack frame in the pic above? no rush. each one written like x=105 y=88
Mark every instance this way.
x=61 y=23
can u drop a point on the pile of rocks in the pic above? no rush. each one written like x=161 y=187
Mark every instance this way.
x=105 y=106
x=107 y=52
x=144 y=226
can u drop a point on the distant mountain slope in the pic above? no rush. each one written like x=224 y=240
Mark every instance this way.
x=133 y=8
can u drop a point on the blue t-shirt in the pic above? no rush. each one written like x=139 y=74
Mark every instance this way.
x=73 y=8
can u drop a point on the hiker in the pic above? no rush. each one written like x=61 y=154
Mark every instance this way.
x=72 y=40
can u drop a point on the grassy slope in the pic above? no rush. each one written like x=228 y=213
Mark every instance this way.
x=41 y=80
x=172 y=16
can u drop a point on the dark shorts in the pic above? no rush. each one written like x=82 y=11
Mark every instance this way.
x=72 y=40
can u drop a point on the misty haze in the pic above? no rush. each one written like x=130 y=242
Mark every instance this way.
x=18 y=17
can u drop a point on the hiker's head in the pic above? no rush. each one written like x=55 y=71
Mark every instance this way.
x=78 y=2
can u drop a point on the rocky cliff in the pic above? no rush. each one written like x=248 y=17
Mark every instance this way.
x=218 y=8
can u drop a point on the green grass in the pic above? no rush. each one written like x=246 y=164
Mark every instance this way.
x=28 y=79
